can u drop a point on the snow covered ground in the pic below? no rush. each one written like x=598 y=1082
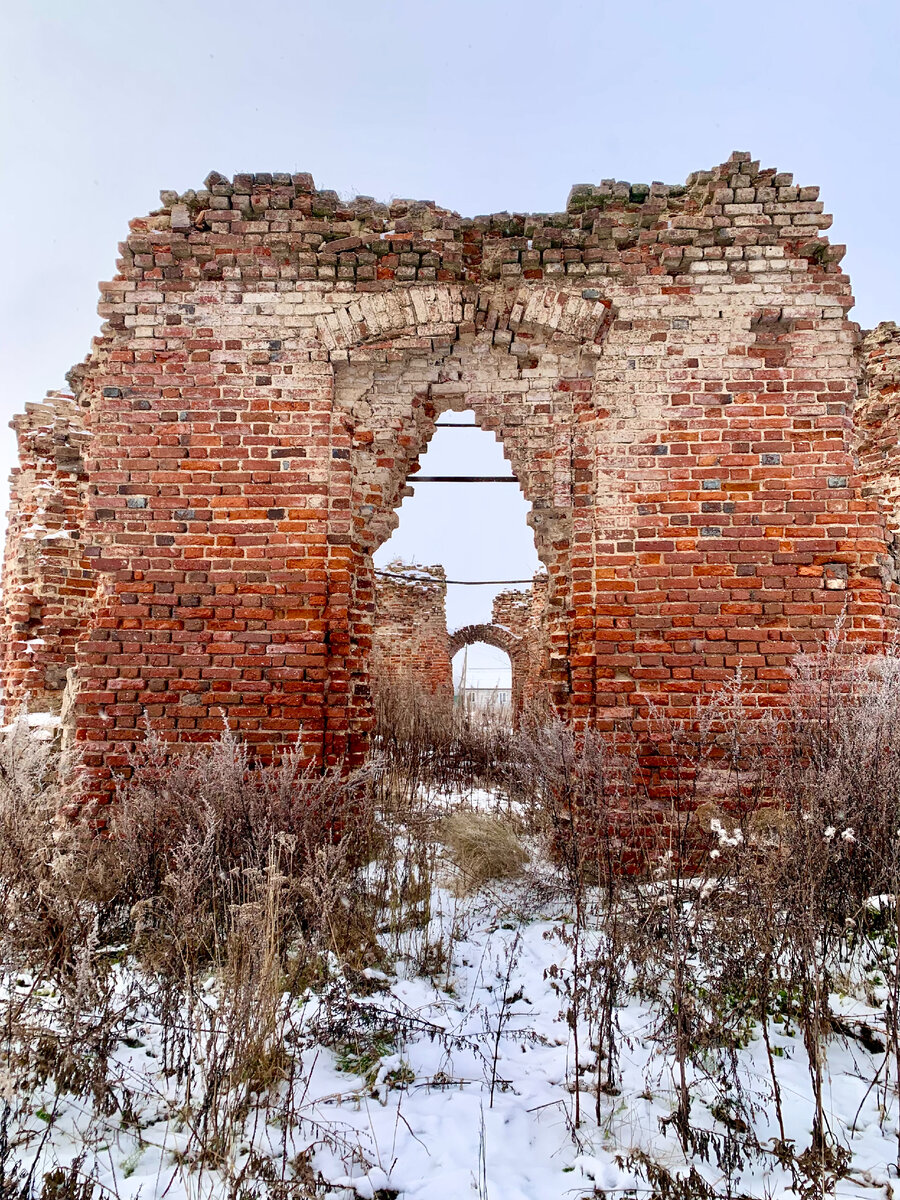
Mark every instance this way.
x=459 y=1082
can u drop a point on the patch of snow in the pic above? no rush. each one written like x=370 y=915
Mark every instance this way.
x=474 y=1096
x=42 y=726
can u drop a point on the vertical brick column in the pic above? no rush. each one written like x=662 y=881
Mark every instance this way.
x=48 y=583
x=523 y=613
x=215 y=522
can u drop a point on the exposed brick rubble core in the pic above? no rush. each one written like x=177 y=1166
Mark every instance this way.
x=48 y=581
x=671 y=372
x=878 y=430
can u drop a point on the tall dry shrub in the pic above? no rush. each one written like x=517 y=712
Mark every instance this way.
x=215 y=878
x=426 y=744
x=801 y=812
x=50 y=940
x=836 y=841
x=46 y=909
x=579 y=792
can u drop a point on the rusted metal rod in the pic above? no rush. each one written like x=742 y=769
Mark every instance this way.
x=456 y=582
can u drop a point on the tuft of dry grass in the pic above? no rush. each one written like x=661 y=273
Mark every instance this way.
x=484 y=847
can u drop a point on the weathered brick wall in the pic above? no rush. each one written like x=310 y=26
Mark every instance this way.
x=409 y=642
x=47 y=581
x=524 y=613
x=671 y=372
x=877 y=420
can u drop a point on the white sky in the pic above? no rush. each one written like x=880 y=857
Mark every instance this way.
x=480 y=105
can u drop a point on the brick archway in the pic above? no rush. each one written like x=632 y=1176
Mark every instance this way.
x=536 y=406
x=503 y=639
x=671 y=372
x=491 y=635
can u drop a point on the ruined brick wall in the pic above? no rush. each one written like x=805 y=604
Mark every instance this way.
x=524 y=613
x=877 y=420
x=671 y=372
x=47 y=581
x=409 y=642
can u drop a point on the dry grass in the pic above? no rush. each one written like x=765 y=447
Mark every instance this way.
x=484 y=847
x=214 y=874
x=427 y=746
x=198 y=843
x=763 y=850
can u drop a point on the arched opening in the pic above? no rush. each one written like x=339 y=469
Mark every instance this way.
x=464 y=511
x=477 y=531
x=483 y=680
x=477 y=409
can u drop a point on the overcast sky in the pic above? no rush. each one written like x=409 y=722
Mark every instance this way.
x=477 y=104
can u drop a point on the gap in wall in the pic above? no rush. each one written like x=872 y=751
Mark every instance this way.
x=486 y=667
x=473 y=530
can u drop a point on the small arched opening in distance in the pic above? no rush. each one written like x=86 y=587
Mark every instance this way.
x=483 y=680
x=490 y=667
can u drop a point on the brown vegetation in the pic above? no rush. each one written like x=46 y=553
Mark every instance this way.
x=737 y=895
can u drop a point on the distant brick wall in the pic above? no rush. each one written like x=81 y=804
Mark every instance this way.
x=524 y=613
x=48 y=583
x=670 y=370
x=409 y=643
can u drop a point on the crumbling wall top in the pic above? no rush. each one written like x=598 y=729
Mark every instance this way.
x=299 y=232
